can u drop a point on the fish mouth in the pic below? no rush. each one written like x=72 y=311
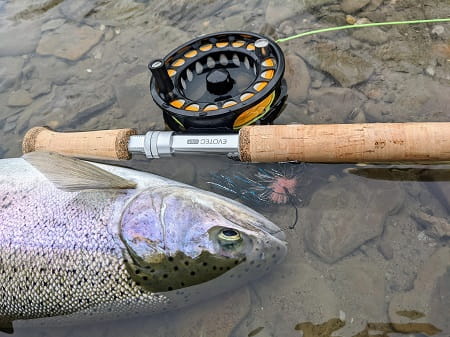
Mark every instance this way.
x=280 y=235
x=272 y=229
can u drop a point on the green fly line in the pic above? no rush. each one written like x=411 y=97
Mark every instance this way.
x=364 y=25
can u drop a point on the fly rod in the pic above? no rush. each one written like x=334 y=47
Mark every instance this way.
x=213 y=88
x=325 y=143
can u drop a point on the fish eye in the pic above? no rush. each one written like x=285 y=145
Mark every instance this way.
x=229 y=236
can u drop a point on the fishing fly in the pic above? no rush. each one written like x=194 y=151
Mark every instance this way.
x=270 y=185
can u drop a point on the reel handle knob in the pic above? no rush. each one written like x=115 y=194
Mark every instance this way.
x=159 y=71
x=261 y=48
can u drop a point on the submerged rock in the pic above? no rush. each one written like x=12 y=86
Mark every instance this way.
x=435 y=227
x=355 y=279
x=313 y=301
x=10 y=71
x=345 y=67
x=77 y=10
x=335 y=105
x=372 y=35
x=20 y=39
x=52 y=24
x=115 y=10
x=297 y=78
x=352 y=6
x=82 y=103
x=220 y=314
x=34 y=9
x=430 y=296
x=49 y=69
x=343 y=215
x=279 y=10
x=19 y=98
x=374 y=4
x=69 y=41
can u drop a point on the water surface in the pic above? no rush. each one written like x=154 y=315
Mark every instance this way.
x=370 y=250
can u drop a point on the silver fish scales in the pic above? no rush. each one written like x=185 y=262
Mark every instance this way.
x=73 y=253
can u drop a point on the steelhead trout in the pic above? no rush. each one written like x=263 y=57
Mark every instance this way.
x=80 y=241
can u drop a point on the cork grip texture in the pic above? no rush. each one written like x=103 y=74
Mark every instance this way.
x=351 y=143
x=105 y=144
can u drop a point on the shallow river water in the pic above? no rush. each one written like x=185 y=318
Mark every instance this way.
x=369 y=253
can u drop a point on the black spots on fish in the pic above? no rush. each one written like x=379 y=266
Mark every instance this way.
x=6 y=205
x=6 y=201
x=159 y=276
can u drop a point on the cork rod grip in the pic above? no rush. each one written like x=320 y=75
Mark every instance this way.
x=350 y=143
x=104 y=144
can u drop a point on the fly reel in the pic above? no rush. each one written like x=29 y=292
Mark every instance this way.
x=220 y=82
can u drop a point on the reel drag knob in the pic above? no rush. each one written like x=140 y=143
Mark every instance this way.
x=219 y=81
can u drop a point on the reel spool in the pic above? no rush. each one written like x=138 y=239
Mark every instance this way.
x=220 y=82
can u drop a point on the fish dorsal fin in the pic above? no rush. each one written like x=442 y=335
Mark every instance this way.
x=70 y=174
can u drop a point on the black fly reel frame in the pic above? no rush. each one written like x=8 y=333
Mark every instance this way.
x=220 y=82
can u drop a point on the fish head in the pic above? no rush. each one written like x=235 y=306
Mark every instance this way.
x=177 y=237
